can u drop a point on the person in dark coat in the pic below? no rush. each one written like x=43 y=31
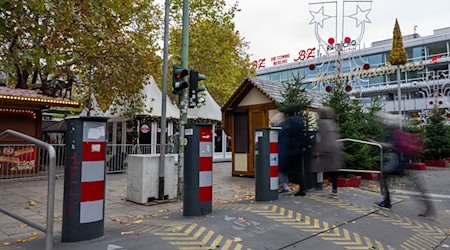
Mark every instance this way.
x=328 y=153
x=290 y=139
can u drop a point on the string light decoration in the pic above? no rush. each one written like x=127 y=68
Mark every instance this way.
x=322 y=15
x=40 y=100
x=436 y=90
x=20 y=111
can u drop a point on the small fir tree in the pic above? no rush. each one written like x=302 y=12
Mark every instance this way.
x=398 y=53
x=296 y=100
x=356 y=122
x=437 y=136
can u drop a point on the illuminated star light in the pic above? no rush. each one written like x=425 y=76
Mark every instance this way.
x=360 y=16
x=318 y=17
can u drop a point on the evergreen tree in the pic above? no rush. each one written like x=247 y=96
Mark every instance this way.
x=398 y=53
x=356 y=122
x=437 y=136
x=296 y=100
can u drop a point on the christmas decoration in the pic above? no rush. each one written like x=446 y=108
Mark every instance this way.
x=398 y=53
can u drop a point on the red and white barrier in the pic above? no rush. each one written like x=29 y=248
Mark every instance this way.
x=273 y=140
x=205 y=173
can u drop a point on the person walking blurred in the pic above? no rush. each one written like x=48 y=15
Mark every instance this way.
x=394 y=145
x=328 y=151
x=289 y=149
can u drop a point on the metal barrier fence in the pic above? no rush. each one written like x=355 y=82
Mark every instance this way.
x=33 y=162
x=367 y=143
x=25 y=158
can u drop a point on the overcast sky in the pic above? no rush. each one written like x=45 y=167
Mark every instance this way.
x=279 y=27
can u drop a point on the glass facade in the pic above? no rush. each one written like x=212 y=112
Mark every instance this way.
x=424 y=55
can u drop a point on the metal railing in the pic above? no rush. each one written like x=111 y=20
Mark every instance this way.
x=48 y=228
x=367 y=143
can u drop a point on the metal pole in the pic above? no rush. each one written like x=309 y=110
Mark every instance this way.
x=183 y=97
x=50 y=198
x=399 y=97
x=162 y=149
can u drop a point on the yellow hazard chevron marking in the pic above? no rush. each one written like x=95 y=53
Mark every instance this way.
x=432 y=233
x=336 y=235
x=192 y=237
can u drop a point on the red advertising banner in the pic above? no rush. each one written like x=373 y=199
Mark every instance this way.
x=17 y=159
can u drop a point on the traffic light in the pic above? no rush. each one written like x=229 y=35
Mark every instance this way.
x=178 y=83
x=194 y=89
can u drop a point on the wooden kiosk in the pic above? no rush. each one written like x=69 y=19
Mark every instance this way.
x=21 y=110
x=251 y=106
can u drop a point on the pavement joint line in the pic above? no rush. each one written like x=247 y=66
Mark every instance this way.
x=321 y=229
x=407 y=223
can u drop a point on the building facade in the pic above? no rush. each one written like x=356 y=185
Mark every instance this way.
x=366 y=73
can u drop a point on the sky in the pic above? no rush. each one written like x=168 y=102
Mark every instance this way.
x=279 y=27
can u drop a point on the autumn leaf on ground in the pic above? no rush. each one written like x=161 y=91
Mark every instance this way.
x=26 y=239
x=23 y=226
x=163 y=211
x=139 y=217
x=138 y=221
x=237 y=239
x=241 y=219
x=31 y=203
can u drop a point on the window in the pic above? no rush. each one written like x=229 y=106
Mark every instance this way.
x=274 y=77
x=241 y=132
x=436 y=49
x=415 y=54
x=376 y=60
x=376 y=80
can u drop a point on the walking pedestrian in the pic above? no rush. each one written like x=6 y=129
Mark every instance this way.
x=289 y=148
x=328 y=151
x=398 y=158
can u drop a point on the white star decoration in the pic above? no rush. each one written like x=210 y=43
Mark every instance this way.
x=360 y=16
x=318 y=17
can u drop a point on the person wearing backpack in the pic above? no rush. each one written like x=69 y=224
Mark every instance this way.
x=400 y=146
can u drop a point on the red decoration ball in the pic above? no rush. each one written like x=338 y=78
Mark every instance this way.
x=331 y=40
x=312 y=67
x=366 y=66
x=328 y=89
x=431 y=102
x=440 y=102
x=347 y=39
x=348 y=88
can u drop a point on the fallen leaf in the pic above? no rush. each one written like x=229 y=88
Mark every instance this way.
x=237 y=239
x=163 y=211
x=26 y=239
x=23 y=226
x=31 y=203
x=127 y=232
x=34 y=233
x=139 y=217
x=6 y=243
x=241 y=219
x=138 y=221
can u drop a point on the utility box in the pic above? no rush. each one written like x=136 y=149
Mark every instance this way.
x=143 y=178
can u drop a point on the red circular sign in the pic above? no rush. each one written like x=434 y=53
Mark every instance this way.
x=348 y=88
x=331 y=40
x=312 y=67
x=328 y=89
x=145 y=128
x=347 y=39
x=366 y=66
x=440 y=102
x=431 y=102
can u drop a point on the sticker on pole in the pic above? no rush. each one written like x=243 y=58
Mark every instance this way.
x=259 y=134
x=188 y=131
x=273 y=159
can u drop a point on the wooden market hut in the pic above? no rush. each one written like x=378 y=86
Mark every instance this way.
x=252 y=105
x=21 y=110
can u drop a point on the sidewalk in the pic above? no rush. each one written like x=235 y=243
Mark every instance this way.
x=28 y=198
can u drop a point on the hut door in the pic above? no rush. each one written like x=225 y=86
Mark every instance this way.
x=257 y=119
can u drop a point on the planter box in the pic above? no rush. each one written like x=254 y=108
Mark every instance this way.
x=369 y=176
x=436 y=163
x=349 y=182
x=417 y=166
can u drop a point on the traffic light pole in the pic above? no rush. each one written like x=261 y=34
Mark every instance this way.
x=162 y=158
x=183 y=98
